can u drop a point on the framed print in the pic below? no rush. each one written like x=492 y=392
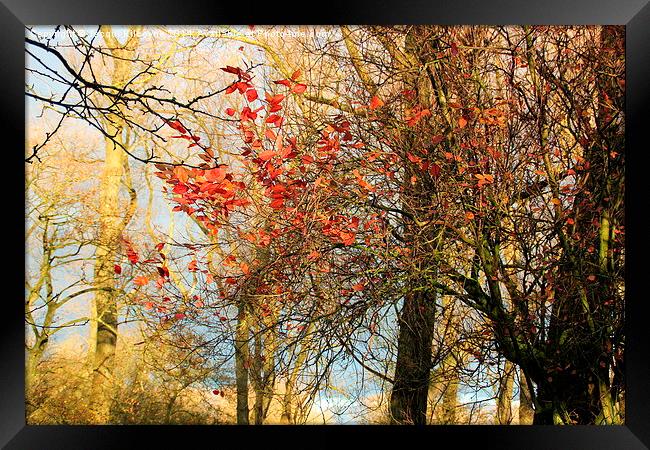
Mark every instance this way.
x=377 y=221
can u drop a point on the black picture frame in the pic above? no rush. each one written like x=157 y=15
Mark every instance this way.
x=634 y=14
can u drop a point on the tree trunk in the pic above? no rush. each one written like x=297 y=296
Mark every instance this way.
x=408 y=403
x=526 y=411
x=111 y=227
x=504 y=398
x=586 y=318
x=258 y=378
x=288 y=414
x=242 y=363
x=450 y=401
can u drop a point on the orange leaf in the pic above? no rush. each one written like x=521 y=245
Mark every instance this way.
x=359 y=287
x=413 y=158
x=215 y=175
x=266 y=155
x=376 y=102
x=141 y=280
x=462 y=122
x=270 y=134
x=348 y=238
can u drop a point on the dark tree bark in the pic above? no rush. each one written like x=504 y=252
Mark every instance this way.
x=409 y=396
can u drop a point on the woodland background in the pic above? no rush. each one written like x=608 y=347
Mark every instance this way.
x=408 y=224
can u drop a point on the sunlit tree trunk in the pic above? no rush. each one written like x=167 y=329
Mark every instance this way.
x=111 y=225
x=504 y=397
x=41 y=335
x=526 y=411
x=288 y=408
x=242 y=362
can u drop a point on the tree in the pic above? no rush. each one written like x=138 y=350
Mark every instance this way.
x=433 y=209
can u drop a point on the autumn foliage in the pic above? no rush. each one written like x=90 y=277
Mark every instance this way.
x=454 y=215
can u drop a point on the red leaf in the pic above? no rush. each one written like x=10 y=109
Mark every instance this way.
x=132 y=255
x=230 y=111
x=230 y=69
x=180 y=188
x=163 y=271
x=274 y=119
x=376 y=102
x=437 y=139
x=434 y=170
x=295 y=75
x=299 y=88
x=176 y=125
x=117 y=268
x=413 y=158
x=275 y=99
x=251 y=95
x=277 y=203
